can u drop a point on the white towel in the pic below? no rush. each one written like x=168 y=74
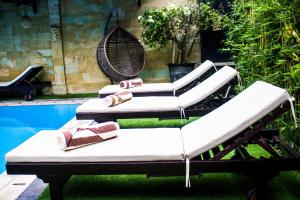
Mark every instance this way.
x=131 y=83
x=78 y=137
x=117 y=98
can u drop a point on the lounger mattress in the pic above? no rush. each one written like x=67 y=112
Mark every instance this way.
x=136 y=104
x=148 y=87
x=232 y=117
x=129 y=145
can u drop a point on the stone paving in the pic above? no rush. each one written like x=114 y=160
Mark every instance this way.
x=28 y=187
x=13 y=186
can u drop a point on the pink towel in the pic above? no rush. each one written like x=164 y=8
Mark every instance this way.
x=117 y=98
x=131 y=83
x=71 y=139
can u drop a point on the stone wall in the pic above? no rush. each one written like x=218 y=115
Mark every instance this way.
x=21 y=47
x=64 y=36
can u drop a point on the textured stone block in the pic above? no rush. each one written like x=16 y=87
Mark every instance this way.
x=7 y=63
x=47 y=62
x=74 y=78
x=86 y=87
x=3 y=54
x=59 y=88
x=6 y=30
x=45 y=52
x=4 y=72
x=78 y=20
x=160 y=74
x=6 y=42
x=71 y=68
x=43 y=36
x=44 y=45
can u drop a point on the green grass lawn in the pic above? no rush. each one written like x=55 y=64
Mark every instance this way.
x=207 y=186
x=153 y=122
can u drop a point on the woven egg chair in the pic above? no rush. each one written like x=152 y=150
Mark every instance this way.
x=120 y=55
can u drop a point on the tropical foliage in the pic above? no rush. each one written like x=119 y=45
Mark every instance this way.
x=264 y=37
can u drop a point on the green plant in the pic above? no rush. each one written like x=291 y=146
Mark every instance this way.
x=295 y=73
x=264 y=37
x=178 y=24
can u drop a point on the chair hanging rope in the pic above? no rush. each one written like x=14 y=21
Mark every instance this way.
x=120 y=55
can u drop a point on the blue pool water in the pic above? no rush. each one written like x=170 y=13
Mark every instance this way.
x=18 y=123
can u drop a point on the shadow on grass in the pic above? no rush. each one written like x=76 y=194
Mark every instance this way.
x=207 y=187
x=286 y=186
x=154 y=122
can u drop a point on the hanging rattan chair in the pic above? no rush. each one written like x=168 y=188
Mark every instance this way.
x=120 y=55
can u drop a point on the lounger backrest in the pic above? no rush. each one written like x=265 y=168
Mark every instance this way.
x=28 y=74
x=193 y=75
x=207 y=87
x=232 y=117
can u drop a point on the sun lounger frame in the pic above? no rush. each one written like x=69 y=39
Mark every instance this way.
x=259 y=170
x=25 y=84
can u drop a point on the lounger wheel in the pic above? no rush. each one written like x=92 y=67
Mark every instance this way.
x=27 y=95
x=252 y=194
x=258 y=194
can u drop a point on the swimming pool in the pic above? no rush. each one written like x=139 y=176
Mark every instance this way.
x=18 y=123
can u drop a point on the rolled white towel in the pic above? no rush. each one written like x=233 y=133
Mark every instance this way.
x=131 y=83
x=82 y=136
x=117 y=98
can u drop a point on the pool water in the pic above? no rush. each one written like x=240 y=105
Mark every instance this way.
x=18 y=123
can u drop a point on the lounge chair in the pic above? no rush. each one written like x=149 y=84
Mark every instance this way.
x=167 y=89
x=23 y=83
x=199 y=147
x=197 y=101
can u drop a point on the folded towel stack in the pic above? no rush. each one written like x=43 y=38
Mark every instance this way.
x=131 y=83
x=117 y=98
x=82 y=136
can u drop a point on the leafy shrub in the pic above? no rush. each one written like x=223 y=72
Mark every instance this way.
x=264 y=37
x=180 y=24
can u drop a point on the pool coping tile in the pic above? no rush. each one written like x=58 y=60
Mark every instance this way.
x=44 y=102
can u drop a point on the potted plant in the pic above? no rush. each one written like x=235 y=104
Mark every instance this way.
x=180 y=25
x=213 y=40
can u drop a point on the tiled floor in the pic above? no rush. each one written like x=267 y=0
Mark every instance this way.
x=23 y=187
x=33 y=191
x=12 y=186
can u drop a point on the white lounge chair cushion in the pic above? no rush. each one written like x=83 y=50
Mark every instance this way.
x=193 y=75
x=146 y=87
x=163 y=143
x=5 y=84
x=232 y=117
x=136 y=104
x=163 y=87
x=164 y=103
x=130 y=145
x=207 y=87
